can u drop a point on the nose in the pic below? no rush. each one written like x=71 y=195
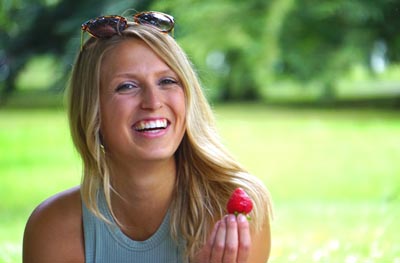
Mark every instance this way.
x=151 y=98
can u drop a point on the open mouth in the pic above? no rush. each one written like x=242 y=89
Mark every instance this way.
x=151 y=125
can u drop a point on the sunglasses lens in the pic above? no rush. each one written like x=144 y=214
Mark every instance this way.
x=161 y=21
x=104 y=27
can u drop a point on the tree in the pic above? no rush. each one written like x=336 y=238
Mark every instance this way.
x=240 y=48
x=33 y=28
x=243 y=47
x=222 y=38
x=321 y=40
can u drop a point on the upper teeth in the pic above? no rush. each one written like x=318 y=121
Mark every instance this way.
x=153 y=124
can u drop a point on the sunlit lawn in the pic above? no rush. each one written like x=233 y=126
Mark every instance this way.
x=334 y=176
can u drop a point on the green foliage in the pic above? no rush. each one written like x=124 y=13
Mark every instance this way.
x=39 y=73
x=243 y=50
x=49 y=28
x=223 y=40
x=246 y=49
x=323 y=39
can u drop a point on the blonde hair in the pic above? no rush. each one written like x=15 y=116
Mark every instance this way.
x=206 y=172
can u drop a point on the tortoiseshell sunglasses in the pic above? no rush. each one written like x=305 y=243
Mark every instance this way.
x=108 y=26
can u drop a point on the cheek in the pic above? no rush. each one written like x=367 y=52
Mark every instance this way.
x=112 y=112
x=181 y=111
x=113 y=123
x=179 y=102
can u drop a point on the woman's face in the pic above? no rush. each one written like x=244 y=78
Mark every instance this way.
x=142 y=104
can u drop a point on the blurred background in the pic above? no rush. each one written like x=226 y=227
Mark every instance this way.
x=306 y=94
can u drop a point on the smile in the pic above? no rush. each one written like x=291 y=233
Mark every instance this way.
x=151 y=125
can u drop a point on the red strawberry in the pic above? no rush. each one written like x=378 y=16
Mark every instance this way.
x=239 y=202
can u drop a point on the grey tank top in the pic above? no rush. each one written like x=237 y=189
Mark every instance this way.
x=107 y=243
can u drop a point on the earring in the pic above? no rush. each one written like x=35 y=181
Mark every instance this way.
x=101 y=140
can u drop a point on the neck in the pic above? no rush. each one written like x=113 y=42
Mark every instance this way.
x=142 y=196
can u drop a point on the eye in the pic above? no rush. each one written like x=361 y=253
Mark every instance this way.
x=126 y=87
x=168 y=81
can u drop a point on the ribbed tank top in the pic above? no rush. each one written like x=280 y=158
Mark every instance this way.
x=107 y=243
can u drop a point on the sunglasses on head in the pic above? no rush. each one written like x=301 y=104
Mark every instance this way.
x=108 y=26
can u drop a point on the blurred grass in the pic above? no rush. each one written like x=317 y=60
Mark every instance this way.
x=333 y=175
x=36 y=160
x=319 y=151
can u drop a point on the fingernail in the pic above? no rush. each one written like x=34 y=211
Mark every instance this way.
x=232 y=218
x=242 y=218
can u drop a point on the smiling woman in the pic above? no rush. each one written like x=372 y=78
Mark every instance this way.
x=142 y=95
x=156 y=178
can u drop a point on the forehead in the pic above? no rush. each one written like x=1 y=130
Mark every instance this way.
x=134 y=50
x=132 y=55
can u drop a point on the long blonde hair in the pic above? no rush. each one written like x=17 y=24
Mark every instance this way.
x=206 y=172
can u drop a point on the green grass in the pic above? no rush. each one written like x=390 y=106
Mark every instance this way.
x=326 y=154
x=333 y=175
x=36 y=160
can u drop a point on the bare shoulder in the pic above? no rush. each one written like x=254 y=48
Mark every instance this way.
x=53 y=232
x=261 y=233
x=261 y=243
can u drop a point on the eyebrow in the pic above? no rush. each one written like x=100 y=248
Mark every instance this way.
x=157 y=72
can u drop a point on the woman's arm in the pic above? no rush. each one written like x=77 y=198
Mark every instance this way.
x=53 y=232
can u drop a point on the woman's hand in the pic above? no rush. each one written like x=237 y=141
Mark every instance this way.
x=229 y=242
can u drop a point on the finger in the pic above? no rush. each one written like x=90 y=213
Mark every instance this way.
x=231 y=242
x=244 y=238
x=217 y=251
x=205 y=253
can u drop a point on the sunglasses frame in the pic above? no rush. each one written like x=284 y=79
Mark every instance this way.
x=120 y=23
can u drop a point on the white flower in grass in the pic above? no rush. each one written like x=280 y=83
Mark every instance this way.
x=318 y=255
x=368 y=260
x=351 y=259
x=334 y=245
x=293 y=257
x=375 y=251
